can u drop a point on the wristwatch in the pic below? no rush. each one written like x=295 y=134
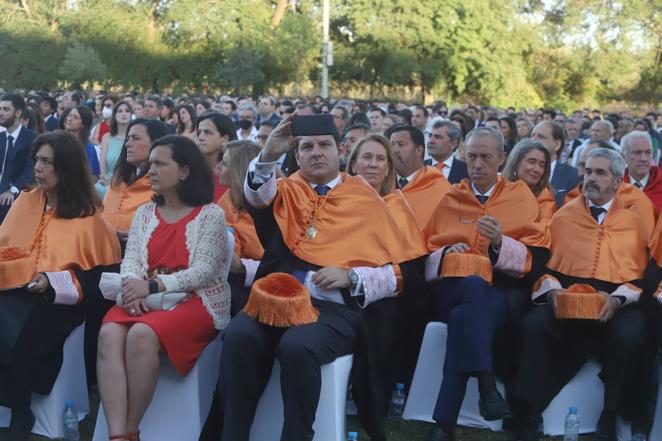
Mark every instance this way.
x=354 y=278
x=153 y=286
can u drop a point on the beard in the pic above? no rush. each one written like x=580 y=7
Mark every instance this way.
x=8 y=122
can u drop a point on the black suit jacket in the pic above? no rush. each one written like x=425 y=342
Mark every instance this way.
x=458 y=170
x=52 y=123
x=565 y=179
x=18 y=167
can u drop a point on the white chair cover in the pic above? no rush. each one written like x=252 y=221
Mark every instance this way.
x=330 y=416
x=71 y=384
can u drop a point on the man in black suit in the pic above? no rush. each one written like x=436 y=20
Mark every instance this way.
x=49 y=110
x=15 y=159
x=444 y=139
x=564 y=177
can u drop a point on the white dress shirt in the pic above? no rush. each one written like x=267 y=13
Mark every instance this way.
x=448 y=164
x=603 y=215
x=14 y=135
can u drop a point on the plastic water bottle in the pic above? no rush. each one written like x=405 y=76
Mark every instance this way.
x=352 y=436
x=397 y=404
x=70 y=422
x=571 y=425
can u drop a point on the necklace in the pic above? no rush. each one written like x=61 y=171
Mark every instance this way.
x=311 y=231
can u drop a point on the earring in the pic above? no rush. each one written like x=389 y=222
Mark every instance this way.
x=182 y=179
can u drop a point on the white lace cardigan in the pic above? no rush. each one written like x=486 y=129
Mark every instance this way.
x=206 y=241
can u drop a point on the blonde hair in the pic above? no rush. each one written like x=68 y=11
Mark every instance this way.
x=237 y=157
x=389 y=181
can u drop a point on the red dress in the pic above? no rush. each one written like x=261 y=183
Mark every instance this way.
x=184 y=331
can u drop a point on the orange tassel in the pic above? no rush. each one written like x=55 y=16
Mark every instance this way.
x=579 y=301
x=468 y=263
x=280 y=300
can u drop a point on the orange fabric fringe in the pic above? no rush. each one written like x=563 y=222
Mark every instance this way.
x=280 y=300
x=579 y=301
x=468 y=263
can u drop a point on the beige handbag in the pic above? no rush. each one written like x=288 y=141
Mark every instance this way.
x=111 y=288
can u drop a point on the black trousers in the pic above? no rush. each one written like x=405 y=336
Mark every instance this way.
x=249 y=349
x=554 y=350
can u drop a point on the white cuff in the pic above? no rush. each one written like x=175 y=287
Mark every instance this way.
x=376 y=283
x=549 y=283
x=251 y=268
x=66 y=292
x=630 y=292
x=512 y=257
x=432 y=265
x=265 y=175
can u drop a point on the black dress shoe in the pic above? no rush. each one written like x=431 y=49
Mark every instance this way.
x=21 y=425
x=528 y=430
x=493 y=407
x=438 y=433
x=606 y=430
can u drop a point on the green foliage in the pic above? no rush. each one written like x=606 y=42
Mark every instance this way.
x=556 y=53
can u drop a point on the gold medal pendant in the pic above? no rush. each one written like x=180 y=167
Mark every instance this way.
x=311 y=232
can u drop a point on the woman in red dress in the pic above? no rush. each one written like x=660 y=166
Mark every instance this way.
x=176 y=243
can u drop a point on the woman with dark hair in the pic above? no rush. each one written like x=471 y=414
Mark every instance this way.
x=509 y=131
x=236 y=157
x=32 y=118
x=214 y=131
x=201 y=107
x=54 y=244
x=530 y=162
x=111 y=145
x=177 y=243
x=186 y=121
x=130 y=186
x=78 y=120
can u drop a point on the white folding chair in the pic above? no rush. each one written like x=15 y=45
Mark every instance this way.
x=180 y=405
x=71 y=384
x=330 y=416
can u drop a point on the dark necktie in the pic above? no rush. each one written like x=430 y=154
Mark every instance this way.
x=322 y=190
x=402 y=182
x=638 y=185
x=596 y=212
x=482 y=198
x=4 y=150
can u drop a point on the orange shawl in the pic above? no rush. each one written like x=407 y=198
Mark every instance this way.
x=247 y=244
x=406 y=219
x=354 y=226
x=511 y=203
x=121 y=202
x=630 y=195
x=424 y=193
x=547 y=205
x=616 y=251
x=48 y=243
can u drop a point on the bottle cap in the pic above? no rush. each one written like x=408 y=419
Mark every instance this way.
x=572 y=409
x=400 y=386
x=68 y=403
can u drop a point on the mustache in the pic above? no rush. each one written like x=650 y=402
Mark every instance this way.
x=593 y=186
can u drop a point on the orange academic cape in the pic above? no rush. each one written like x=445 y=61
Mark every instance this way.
x=615 y=252
x=406 y=219
x=511 y=203
x=121 y=202
x=354 y=226
x=247 y=244
x=50 y=243
x=656 y=243
x=547 y=205
x=424 y=193
x=630 y=195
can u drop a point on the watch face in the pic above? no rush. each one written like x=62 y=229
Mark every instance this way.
x=353 y=277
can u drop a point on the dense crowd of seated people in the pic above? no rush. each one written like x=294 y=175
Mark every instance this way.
x=533 y=234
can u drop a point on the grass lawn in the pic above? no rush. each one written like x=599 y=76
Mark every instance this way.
x=396 y=430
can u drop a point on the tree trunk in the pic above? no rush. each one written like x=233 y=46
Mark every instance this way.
x=279 y=13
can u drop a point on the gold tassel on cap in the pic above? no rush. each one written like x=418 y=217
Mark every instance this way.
x=579 y=301
x=468 y=263
x=280 y=300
